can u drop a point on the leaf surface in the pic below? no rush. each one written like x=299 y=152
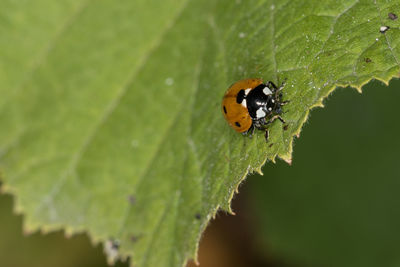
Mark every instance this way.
x=110 y=112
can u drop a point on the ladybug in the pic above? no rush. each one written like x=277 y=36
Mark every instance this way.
x=251 y=103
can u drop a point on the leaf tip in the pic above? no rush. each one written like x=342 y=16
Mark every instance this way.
x=288 y=161
x=111 y=249
x=228 y=207
x=68 y=232
x=26 y=231
x=195 y=261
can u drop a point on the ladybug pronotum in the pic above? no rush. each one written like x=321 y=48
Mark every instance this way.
x=251 y=103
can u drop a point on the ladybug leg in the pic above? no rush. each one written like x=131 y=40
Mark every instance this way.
x=252 y=128
x=261 y=124
x=280 y=118
x=271 y=84
x=266 y=135
x=284 y=102
x=282 y=85
x=278 y=94
x=274 y=118
x=249 y=132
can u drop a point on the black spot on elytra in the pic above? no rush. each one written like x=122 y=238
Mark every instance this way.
x=225 y=110
x=392 y=16
x=240 y=96
x=237 y=124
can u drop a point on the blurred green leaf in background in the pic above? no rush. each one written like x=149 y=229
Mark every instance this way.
x=339 y=203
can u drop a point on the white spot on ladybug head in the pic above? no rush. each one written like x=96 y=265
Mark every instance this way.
x=267 y=91
x=247 y=91
x=244 y=103
x=273 y=101
x=260 y=113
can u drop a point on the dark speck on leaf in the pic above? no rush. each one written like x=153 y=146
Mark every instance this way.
x=285 y=127
x=132 y=199
x=271 y=145
x=368 y=60
x=134 y=238
x=197 y=216
x=392 y=16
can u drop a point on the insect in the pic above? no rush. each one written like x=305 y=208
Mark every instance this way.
x=251 y=103
x=383 y=29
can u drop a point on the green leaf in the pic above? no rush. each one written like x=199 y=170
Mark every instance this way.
x=110 y=112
